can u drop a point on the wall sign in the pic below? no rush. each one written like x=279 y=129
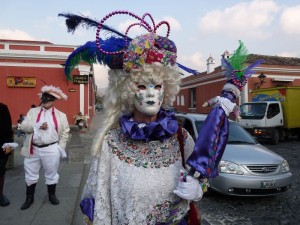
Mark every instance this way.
x=13 y=81
x=80 y=79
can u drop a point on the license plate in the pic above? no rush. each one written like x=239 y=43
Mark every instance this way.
x=268 y=184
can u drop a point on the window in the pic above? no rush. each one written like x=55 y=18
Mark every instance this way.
x=253 y=110
x=273 y=110
x=182 y=100
x=178 y=100
x=193 y=98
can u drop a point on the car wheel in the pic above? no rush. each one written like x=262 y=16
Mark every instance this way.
x=275 y=136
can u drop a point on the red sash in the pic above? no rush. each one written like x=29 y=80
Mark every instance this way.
x=38 y=120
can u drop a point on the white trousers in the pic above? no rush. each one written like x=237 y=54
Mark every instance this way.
x=48 y=158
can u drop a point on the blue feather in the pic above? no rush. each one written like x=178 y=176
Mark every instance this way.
x=249 y=71
x=90 y=54
x=228 y=68
x=192 y=71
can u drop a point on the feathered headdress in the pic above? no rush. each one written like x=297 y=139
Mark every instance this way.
x=54 y=91
x=119 y=51
x=236 y=71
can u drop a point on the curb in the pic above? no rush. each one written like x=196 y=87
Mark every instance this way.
x=77 y=217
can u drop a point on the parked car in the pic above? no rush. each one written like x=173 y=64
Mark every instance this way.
x=247 y=168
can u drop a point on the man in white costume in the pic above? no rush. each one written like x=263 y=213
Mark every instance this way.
x=47 y=133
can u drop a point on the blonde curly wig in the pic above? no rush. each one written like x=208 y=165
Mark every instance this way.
x=119 y=97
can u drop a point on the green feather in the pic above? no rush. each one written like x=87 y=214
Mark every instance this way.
x=83 y=56
x=238 y=59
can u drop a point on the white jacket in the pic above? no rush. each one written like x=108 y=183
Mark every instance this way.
x=27 y=126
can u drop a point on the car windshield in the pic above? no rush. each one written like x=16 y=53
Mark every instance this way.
x=237 y=135
x=253 y=110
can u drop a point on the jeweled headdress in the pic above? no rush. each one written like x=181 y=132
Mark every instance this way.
x=119 y=51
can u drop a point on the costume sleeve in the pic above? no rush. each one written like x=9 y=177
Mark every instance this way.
x=96 y=196
x=213 y=101
x=28 y=123
x=64 y=131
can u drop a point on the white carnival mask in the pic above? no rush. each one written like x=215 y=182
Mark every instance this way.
x=148 y=97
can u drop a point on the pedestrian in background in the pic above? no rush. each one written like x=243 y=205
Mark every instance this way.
x=80 y=120
x=6 y=136
x=47 y=132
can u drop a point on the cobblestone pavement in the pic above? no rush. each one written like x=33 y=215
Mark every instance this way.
x=282 y=209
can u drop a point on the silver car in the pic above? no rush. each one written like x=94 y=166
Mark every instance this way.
x=247 y=168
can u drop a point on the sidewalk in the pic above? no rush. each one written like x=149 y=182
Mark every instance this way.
x=68 y=190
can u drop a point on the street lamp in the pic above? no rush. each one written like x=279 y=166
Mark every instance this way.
x=261 y=78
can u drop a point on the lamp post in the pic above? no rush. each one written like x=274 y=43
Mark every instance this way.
x=261 y=78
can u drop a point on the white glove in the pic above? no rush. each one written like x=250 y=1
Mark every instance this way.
x=189 y=190
x=13 y=145
x=63 y=153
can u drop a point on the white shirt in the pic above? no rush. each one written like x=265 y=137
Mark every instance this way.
x=50 y=135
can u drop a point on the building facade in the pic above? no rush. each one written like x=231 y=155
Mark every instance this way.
x=26 y=66
x=196 y=89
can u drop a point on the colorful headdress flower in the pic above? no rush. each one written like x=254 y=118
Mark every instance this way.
x=119 y=51
x=149 y=48
x=235 y=70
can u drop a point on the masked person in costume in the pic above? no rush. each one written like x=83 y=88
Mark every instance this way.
x=137 y=161
x=47 y=133
x=210 y=144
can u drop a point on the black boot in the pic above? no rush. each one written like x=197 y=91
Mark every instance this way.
x=3 y=200
x=51 y=192
x=29 y=196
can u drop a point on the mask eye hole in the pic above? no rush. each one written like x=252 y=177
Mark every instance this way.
x=157 y=87
x=141 y=87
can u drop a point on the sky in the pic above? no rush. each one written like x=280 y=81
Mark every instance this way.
x=199 y=28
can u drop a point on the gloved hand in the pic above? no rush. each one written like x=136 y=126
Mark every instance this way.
x=189 y=190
